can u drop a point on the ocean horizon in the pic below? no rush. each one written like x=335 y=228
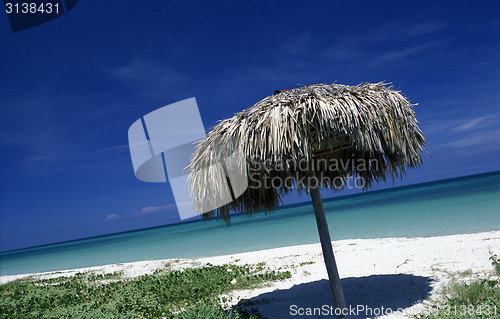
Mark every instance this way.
x=459 y=205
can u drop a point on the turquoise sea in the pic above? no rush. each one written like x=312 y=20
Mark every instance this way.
x=454 y=206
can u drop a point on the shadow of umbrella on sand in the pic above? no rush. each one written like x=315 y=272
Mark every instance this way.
x=369 y=297
x=318 y=136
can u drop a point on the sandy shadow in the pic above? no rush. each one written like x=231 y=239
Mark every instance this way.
x=375 y=292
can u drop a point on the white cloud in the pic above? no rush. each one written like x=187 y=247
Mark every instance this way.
x=457 y=125
x=410 y=50
x=490 y=137
x=361 y=45
x=425 y=27
x=112 y=217
x=478 y=122
x=154 y=210
x=117 y=148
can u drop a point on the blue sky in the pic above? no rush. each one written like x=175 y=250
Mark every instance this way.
x=71 y=88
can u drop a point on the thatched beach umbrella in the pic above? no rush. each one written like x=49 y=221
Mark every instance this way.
x=312 y=137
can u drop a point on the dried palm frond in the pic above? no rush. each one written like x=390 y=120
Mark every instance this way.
x=292 y=133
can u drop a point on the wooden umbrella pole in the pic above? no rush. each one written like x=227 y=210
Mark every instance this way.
x=326 y=245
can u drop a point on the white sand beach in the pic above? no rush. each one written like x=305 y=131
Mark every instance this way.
x=390 y=272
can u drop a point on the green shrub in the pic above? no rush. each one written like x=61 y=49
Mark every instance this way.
x=475 y=299
x=203 y=310
x=162 y=294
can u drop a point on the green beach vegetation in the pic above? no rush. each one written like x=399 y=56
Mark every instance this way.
x=473 y=298
x=189 y=293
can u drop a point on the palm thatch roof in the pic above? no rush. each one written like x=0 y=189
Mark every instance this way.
x=307 y=127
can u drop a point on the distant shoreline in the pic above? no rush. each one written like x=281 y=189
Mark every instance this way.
x=325 y=200
x=137 y=268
